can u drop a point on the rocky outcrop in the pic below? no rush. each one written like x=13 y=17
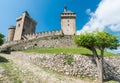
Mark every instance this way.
x=45 y=42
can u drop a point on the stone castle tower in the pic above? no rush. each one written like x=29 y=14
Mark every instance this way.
x=11 y=33
x=24 y=25
x=68 y=22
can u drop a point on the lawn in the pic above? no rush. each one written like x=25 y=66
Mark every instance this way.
x=82 y=51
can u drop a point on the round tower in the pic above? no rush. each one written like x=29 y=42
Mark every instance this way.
x=68 y=22
x=11 y=33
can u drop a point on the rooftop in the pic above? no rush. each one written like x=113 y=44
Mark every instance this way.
x=67 y=11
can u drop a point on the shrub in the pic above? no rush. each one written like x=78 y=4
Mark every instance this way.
x=68 y=59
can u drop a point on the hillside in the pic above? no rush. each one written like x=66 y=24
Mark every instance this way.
x=19 y=70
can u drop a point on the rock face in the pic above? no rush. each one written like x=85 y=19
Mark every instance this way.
x=112 y=68
x=45 y=42
x=77 y=65
x=55 y=41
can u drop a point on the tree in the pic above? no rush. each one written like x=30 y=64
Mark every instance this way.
x=97 y=40
x=1 y=39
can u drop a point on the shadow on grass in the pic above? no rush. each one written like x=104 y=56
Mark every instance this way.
x=90 y=55
x=2 y=59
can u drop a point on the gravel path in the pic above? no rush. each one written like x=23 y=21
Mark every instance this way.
x=35 y=74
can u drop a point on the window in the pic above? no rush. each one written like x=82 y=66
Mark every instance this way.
x=23 y=30
x=18 y=25
x=68 y=24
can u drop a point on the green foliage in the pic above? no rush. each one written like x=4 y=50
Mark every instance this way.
x=97 y=40
x=1 y=39
x=68 y=59
x=100 y=40
x=61 y=35
x=86 y=40
x=106 y=40
x=54 y=37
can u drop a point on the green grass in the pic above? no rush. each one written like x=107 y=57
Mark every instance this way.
x=60 y=50
x=112 y=82
x=82 y=51
x=9 y=74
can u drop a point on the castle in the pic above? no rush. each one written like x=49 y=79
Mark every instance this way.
x=26 y=26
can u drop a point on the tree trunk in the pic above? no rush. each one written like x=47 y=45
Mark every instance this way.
x=101 y=60
x=100 y=70
x=99 y=66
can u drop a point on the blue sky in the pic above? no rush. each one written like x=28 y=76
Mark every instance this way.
x=91 y=14
x=45 y=12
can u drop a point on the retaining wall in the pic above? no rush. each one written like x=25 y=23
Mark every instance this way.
x=77 y=65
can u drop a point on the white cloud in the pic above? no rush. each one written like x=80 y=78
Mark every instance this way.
x=88 y=11
x=106 y=15
x=114 y=51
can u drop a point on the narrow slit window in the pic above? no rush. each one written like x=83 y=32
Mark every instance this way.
x=68 y=24
x=18 y=25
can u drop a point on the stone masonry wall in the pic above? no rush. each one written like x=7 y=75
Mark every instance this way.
x=45 y=42
x=77 y=65
x=41 y=34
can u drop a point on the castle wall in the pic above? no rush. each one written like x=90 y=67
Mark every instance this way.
x=25 y=27
x=11 y=33
x=42 y=34
x=56 y=41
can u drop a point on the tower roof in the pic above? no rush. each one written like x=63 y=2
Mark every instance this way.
x=26 y=13
x=12 y=27
x=67 y=11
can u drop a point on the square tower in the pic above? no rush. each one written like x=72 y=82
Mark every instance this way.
x=68 y=22
x=24 y=25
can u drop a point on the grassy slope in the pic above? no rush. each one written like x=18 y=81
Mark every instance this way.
x=13 y=71
x=82 y=51
x=10 y=75
x=13 y=74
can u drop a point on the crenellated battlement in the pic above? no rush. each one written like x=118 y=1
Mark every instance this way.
x=41 y=34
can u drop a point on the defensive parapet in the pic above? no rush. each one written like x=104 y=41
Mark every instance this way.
x=41 y=34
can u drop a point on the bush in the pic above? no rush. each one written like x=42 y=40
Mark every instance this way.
x=68 y=59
